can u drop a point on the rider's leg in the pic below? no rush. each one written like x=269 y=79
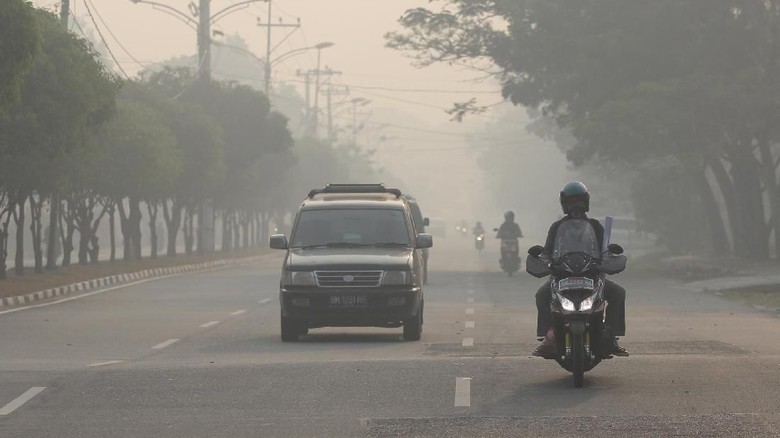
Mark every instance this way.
x=616 y=313
x=543 y=315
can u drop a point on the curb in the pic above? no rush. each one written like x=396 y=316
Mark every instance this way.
x=97 y=283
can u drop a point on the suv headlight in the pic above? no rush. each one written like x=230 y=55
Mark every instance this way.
x=396 y=278
x=299 y=278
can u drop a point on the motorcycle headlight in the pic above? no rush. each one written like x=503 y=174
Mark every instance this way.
x=396 y=278
x=566 y=303
x=587 y=303
x=299 y=278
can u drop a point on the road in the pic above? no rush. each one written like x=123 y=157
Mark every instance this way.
x=200 y=355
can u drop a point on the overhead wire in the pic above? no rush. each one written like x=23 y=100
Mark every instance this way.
x=102 y=38
x=110 y=32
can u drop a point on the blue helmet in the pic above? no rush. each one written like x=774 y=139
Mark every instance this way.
x=572 y=192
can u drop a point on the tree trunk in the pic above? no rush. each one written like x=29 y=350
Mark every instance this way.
x=188 y=237
x=172 y=218
x=51 y=244
x=769 y=176
x=112 y=230
x=226 y=231
x=124 y=226
x=152 y=208
x=4 y=222
x=135 y=226
x=750 y=206
x=36 y=228
x=19 y=222
x=717 y=228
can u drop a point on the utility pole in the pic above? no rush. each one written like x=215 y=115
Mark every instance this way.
x=307 y=107
x=54 y=207
x=340 y=91
x=327 y=72
x=204 y=41
x=268 y=48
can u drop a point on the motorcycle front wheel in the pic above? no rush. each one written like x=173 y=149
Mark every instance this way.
x=578 y=358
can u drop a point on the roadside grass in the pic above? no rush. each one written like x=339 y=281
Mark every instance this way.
x=759 y=297
x=32 y=282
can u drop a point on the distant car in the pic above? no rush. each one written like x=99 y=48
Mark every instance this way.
x=354 y=259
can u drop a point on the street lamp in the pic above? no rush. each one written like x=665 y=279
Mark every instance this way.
x=270 y=62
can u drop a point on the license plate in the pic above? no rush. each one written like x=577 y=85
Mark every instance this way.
x=575 y=283
x=348 y=301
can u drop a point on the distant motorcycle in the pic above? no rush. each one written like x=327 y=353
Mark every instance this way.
x=479 y=241
x=510 y=255
x=577 y=269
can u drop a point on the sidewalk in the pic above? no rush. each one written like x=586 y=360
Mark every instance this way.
x=734 y=282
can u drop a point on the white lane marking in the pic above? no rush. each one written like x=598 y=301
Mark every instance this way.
x=109 y=362
x=209 y=324
x=469 y=324
x=22 y=399
x=468 y=342
x=121 y=286
x=162 y=345
x=470 y=300
x=264 y=301
x=469 y=311
x=470 y=291
x=462 y=391
x=238 y=312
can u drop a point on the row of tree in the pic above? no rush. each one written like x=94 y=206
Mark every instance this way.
x=682 y=94
x=79 y=147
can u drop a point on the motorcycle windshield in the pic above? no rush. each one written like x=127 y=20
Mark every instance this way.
x=575 y=235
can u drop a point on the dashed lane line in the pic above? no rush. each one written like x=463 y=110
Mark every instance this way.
x=469 y=324
x=468 y=342
x=108 y=362
x=167 y=343
x=238 y=312
x=264 y=301
x=469 y=311
x=462 y=392
x=470 y=300
x=209 y=324
x=21 y=400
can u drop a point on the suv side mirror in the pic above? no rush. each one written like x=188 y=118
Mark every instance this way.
x=424 y=240
x=535 y=251
x=426 y=221
x=278 y=241
x=614 y=248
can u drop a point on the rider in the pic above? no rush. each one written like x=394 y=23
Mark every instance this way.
x=478 y=230
x=575 y=201
x=509 y=229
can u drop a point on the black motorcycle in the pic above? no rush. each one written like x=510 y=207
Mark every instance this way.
x=479 y=241
x=577 y=269
x=510 y=255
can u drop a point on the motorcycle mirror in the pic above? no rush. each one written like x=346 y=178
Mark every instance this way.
x=495 y=229
x=614 y=248
x=535 y=251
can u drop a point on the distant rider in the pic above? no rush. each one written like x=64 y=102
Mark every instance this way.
x=478 y=230
x=509 y=229
x=575 y=201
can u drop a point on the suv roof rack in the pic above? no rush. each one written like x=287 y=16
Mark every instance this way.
x=355 y=188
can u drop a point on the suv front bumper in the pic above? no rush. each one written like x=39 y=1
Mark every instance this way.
x=366 y=307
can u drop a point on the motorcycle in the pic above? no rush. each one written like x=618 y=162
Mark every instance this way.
x=479 y=241
x=510 y=255
x=577 y=269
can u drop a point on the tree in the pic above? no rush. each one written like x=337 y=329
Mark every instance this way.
x=633 y=81
x=19 y=43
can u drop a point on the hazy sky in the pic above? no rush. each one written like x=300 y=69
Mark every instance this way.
x=421 y=145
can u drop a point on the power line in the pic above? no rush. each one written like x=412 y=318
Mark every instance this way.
x=102 y=38
x=108 y=29
x=421 y=90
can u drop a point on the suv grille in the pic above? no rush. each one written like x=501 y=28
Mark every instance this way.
x=348 y=278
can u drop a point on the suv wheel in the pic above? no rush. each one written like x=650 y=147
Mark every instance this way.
x=290 y=330
x=413 y=327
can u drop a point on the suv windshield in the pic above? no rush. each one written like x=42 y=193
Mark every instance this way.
x=351 y=227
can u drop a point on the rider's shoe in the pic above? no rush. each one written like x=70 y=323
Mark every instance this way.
x=617 y=350
x=547 y=348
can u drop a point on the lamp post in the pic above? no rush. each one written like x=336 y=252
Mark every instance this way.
x=319 y=48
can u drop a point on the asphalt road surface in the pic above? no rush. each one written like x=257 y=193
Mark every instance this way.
x=199 y=355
